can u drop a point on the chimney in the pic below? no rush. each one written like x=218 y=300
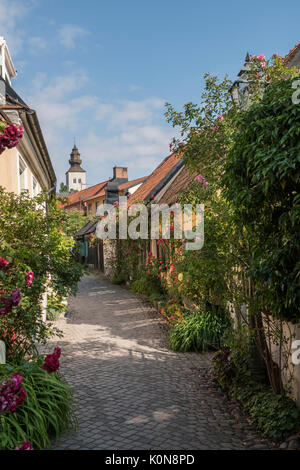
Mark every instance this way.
x=120 y=173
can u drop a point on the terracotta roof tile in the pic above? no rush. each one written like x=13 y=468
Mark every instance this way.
x=97 y=190
x=149 y=187
x=290 y=55
x=85 y=194
x=182 y=181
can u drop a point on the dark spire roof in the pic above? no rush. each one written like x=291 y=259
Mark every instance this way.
x=75 y=160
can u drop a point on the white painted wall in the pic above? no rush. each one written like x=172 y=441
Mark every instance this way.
x=71 y=176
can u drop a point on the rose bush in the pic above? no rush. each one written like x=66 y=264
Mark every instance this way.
x=35 y=255
x=10 y=134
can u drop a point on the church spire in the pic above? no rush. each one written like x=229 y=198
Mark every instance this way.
x=75 y=176
x=75 y=157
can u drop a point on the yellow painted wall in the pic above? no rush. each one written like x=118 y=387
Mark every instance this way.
x=9 y=172
x=92 y=211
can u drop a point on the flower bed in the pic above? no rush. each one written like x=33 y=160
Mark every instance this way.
x=35 y=403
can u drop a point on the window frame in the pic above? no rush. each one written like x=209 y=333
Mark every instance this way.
x=21 y=162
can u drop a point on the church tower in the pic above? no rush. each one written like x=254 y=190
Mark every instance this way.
x=75 y=176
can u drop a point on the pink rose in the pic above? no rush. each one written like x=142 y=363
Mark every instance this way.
x=29 y=278
x=3 y=262
x=26 y=445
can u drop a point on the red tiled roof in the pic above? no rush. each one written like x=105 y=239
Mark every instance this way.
x=97 y=190
x=156 y=177
x=87 y=193
x=182 y=181
x=290 y=55
x=99 y=194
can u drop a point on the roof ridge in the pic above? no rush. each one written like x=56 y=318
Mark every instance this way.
x=292 y=52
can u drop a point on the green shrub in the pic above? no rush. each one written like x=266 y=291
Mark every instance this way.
x=46 y=410
x=54 y=307
x=197 y=332
x=145 y=286
x=275 y=415
x=118 y=279
x=139 y=286
x=37 y=255
x=156 y=297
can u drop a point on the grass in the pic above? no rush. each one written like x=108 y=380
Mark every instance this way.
x=197 y=332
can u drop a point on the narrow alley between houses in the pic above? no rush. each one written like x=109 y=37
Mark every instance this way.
x=131 y=391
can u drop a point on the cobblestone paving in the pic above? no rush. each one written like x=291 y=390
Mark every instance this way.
x=132 y=392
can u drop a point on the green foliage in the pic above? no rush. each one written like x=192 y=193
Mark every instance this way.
x=55 y=307
x=275 y=415
x=63 y=188
x=238 y=343
x=155 y=297
x=32 y=240
x=207 y=273
x=118 y=279
x=46 y=410
x=262 y=183
x=140 y=286
x=206 y=138
x=72 y=221
x=197 y=332
x=129 y=258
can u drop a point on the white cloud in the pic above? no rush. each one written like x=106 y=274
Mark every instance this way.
x=69 y=35
x=123 y=132
x=11 y=13
x=122 y=112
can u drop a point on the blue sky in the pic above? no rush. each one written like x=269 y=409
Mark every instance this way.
x=101 y=71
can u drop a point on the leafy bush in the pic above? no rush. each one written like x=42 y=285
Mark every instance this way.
x=140 y=286
x=55 y=307
x=46 y=410
x=118 y=279
x=157 y=297
x=197 y=332
x=34 y=254
x=275 y=415
x=146 y=286
x=224 y=367
x=261 y=181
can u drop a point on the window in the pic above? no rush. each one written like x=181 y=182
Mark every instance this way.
x=89 y=207
x=22 y=175
x=79 y=181
x=74 y=180
x=35 y=188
